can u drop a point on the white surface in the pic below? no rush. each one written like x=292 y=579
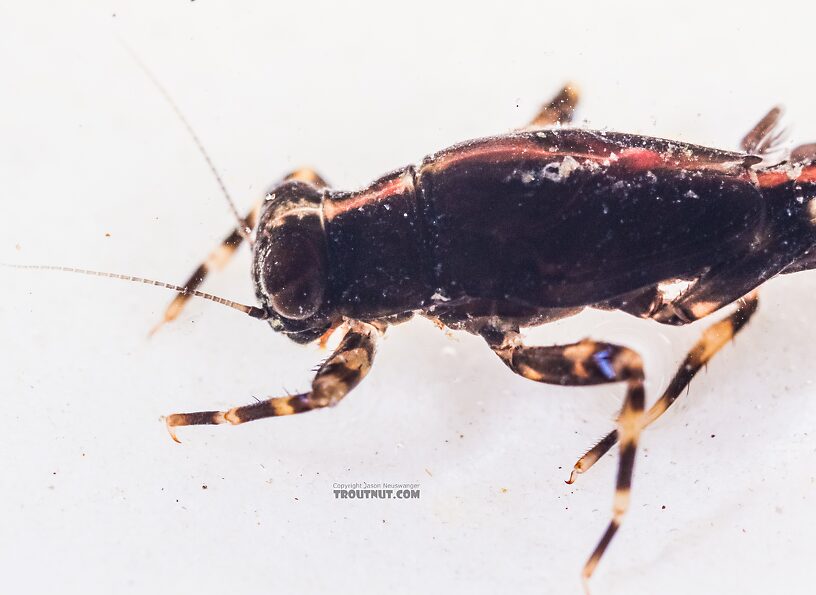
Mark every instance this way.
x=97 y=499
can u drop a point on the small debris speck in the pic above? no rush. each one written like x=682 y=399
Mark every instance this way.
x=204 y=487
x=504 y=490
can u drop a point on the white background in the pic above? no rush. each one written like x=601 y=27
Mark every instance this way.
x=95 y=496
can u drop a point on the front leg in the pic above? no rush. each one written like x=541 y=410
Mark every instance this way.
x=586 y=363
x=221 y=255
x=338 y=375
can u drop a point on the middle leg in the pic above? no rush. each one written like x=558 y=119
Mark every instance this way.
x=587 y=363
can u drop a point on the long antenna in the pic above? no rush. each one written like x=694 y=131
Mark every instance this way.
x=243 y=228
x=253 y=311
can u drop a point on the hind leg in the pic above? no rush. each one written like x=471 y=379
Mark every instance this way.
x=586 y=363
x=714 y=338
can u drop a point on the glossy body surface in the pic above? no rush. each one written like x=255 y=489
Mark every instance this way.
x=523 y=224
x=356 y=91
x=521 y=229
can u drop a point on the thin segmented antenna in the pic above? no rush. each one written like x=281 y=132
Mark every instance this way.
x=253 y=311
x=243 y=228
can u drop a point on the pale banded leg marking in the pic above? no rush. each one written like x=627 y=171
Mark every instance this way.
x=221 y=255
x=336 y=377
x=587 y=363
x=215 y=261
x=713 y=339
x=559 y=110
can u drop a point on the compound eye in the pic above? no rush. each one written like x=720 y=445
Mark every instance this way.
x=294 y=271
